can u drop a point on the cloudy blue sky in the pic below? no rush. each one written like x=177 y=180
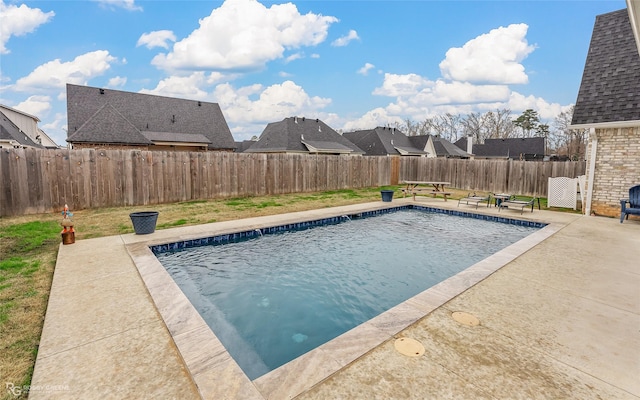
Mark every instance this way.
x=354 y=64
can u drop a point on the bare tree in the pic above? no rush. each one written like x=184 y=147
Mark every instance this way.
x=499 y=124
x=474 y=125
x=412 y=128
x=490 y=125
x=447 y=126
x=566 y=141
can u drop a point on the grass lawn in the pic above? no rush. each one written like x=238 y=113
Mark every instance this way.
x=29 y=246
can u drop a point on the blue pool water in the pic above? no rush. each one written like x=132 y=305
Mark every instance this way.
x=272 y=298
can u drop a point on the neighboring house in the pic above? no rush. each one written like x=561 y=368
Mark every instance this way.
x=105 y=118
x=384 y=141
x=302 y=135
x=512 y=148
x=244 y=145
x=438 y=147
x=19 y=129
x=608 y=104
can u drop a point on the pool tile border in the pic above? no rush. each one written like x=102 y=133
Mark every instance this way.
x=216 y=373
x=296 y=226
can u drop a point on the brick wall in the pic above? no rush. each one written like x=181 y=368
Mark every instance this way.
x=617 y=168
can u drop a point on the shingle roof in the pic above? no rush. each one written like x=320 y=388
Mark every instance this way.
x=446 y=148
x=442 y=147
x=9 y=131
x=97 y=115
x=316 y=146
x=511 y=147
x=610 y=88
x=383 y=141
x=289 y=134
x=244 y=145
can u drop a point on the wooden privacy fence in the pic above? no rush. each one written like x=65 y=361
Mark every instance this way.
x=39 y=181
x=498 y=176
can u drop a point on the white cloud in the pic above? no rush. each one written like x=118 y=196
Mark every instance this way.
x=216 y=77
x=244 y=34
x=546 y=110
x=493 y=57
x=35 y=105
x=56 y=74
x=315 y=55
x=186 y=87
x=284 y=74
x=345 y=40
x=256 y=104
x=376 y=117
x=476 y=78
x=56 y=128
x=365 y=69
x=402 y=85
x=293 y=57
x=18 y=21
x=125 y=4
x=418 y=97
x=156 y=39
x=117 y=81
x=442 y=92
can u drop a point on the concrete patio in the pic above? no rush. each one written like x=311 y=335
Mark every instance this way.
x=560 y=320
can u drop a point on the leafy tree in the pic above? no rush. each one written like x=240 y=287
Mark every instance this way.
x=542 y=130
x=527 y=122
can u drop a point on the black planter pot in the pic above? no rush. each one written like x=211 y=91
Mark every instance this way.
x=144 y=222
x=387 y=195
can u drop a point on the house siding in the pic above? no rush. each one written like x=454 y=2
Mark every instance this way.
x=617 y=168
x=111 y=146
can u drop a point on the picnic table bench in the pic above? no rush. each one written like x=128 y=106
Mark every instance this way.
x=433 y=188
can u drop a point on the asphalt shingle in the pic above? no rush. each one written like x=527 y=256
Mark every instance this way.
x=290 y=134
x=610 y=88
x=96 y=115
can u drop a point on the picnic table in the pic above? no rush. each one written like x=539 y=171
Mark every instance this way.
x=433 y=188
x=500 y=197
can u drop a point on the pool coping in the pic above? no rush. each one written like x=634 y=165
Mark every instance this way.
x=216 y=373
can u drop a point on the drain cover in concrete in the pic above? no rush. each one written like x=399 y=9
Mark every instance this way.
x=409 y=347
x=465 y=318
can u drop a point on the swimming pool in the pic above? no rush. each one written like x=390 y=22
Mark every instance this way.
x=247 y=299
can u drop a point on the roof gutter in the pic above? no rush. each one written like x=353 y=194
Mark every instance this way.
x=607 y=125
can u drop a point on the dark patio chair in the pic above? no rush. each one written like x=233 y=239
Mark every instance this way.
x=633 y=201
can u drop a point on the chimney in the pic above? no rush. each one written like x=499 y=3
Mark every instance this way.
x=470 y=144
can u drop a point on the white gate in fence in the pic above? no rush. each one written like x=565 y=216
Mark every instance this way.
x=563 y=192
